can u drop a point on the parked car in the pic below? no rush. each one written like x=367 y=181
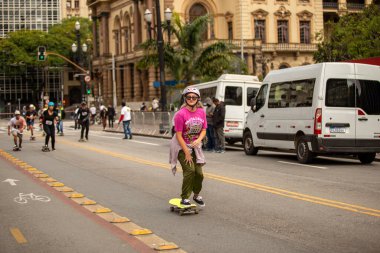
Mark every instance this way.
x=327 y=108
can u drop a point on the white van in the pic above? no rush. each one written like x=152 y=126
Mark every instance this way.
x=236 y=91
x=327 y=108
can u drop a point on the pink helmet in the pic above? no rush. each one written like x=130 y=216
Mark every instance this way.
x=190 y=89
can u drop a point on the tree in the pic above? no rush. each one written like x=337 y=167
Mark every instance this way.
x=355 y=36
x=20 y=47
x=189 y=58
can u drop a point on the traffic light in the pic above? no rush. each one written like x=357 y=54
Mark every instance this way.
x=88 y=90
x=41 y=53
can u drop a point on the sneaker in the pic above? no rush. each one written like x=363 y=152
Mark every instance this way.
x=199 y=201
x=221 y=151
x=185 y=202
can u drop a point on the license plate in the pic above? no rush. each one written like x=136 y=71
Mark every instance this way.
x=337 y=129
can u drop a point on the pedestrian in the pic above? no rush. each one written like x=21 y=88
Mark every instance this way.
x=186 y=145
x=61 y=116
x=103 y=116
x=84 y=121
x=49 y=119
x=16 y=127
x=30 y=116
x=93 y=114
x=76 y=121
x=155 y=104
x=125 y=117
x=210 y=107
x=218 y=121
x=111 y=115
x=143 y=107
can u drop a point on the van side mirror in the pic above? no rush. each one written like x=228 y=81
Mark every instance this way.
x=253 y=104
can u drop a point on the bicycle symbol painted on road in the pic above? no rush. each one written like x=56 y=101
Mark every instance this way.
x=23 y=198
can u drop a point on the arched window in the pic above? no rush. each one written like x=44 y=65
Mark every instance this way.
x=127 y=34
x=198 y=10
x=284 y=66
x=117 y=35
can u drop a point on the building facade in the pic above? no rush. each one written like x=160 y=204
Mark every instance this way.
x=275 y=34
x=29 y=15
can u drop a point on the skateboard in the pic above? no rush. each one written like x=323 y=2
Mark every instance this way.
x=177 y=207
x=16 y=149
x=45 y=149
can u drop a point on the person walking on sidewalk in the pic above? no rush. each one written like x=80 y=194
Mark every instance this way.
x=84 y=120
x=103 y=116
x=76 y=116
x=16 y=127
x=186 y=145
x=210 y=107
x=49 y=119
x=218 y=121
x=93 y=114
x=125 y=117
x=111 y=116
x=61 y=116
x=30 y=116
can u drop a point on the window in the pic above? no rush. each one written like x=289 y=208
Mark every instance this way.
x=117 y=42
x=367 y=95
x=282 y=31
x=77 y=4
x=291 y=94
x=71 y=76
x=198 y=10
x=279 y=95
x=230 y=31
x=340 y=93
x=208 y=92
x=260 y=30
x=251 y=93
x=261 y=97
x=233 y=95
x=68 y=4
x=305 y=32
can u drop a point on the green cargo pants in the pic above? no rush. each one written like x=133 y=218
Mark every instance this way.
x=192 y=176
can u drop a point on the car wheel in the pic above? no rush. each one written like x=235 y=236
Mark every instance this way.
x=249 y=146
x=304 y=155
x=367 y=158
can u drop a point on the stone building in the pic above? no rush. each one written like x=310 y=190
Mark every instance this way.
x=275 y=34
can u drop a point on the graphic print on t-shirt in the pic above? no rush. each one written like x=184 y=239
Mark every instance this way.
x=194 y=126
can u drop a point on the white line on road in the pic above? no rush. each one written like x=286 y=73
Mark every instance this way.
x=11 y=181
x=147 y=143
x=305 y=165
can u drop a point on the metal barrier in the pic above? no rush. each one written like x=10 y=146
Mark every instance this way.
x=6 y=115
x=152 y=123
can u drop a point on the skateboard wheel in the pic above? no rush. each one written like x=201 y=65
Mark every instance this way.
x=196 y=212
x=171 y=209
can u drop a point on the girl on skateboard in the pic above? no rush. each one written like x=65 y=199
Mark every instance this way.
x=49 y=120
x=186 y=145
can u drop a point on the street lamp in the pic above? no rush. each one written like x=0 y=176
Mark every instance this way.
x=160 y=44
x=79 y=50
x=168 y=18
x=148 y=18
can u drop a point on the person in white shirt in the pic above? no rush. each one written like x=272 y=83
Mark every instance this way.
x=93 y=114
x=155 y=104
x=125 y=117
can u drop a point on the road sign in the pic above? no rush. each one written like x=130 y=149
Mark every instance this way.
x=87 y=79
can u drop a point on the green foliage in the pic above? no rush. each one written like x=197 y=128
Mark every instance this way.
x=20 y=47
x=188 y=58
x=355 y=36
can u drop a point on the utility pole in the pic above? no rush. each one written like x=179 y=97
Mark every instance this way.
x=114 y=81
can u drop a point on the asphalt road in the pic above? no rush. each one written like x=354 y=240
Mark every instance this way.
x=266 y=203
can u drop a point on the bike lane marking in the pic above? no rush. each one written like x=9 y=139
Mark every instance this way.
x=120 y=226
x=19 y=237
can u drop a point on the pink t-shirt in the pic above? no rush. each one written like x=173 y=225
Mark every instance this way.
x=190 y=124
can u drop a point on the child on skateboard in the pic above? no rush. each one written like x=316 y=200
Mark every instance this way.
x=186 y=145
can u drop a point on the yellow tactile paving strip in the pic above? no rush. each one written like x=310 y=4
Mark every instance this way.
x=143 y=234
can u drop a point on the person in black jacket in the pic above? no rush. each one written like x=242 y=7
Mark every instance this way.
x=84 y=120
x=111 y=116
x=218 y=121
